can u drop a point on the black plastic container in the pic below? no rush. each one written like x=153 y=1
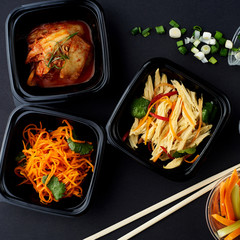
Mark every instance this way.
x=25 y=195
x=121 y=120
x=19 y=24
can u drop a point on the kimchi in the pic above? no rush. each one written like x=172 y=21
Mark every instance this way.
x=60 y=54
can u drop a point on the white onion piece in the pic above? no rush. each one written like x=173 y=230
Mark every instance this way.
x=205 y=49
x=175 y=32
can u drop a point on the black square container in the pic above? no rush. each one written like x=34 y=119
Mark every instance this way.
x=121 y=120
x=25 y=18
x=24 y=195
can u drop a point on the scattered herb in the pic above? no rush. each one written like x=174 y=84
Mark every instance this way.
x=182 y=153
x=58 y=53
x=139 y=107
x=57 y=188
x=82 y=148
x=160 y=29
x=209 y=112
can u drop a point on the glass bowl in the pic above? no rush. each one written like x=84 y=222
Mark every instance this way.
x=232 y=60
x=214 y=225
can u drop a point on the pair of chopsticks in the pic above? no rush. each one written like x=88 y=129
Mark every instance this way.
x=204 y=186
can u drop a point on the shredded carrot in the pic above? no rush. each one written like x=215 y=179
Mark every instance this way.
x=187 y=115
x=222 y=220
x=48 y=154
x=192 y=161
x=143 y=120
x=157 y=157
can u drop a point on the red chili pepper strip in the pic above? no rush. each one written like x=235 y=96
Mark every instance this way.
x=125 y=136
x=159 y=117
x=165 y=150
x=149 y=146
x=160 y=96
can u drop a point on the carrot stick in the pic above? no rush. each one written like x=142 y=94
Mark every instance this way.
x=222 y=197
x=233 y=234
x=222 y=220
x=228 y=201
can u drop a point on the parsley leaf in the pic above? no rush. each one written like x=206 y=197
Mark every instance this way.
x=57 y=188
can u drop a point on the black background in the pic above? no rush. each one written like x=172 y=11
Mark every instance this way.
x=124 y=186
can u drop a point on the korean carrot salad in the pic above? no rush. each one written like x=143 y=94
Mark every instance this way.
x=54 y=162
x=171 y=120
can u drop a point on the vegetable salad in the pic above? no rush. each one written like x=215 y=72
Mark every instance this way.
x=170 y=120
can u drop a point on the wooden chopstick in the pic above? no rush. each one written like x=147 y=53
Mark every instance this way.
x=164 y=203
x=168 y=212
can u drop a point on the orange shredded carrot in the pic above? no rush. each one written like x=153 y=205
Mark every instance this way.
x=48 y=154
x=222 y=220
x=192 y=161
x=187 y=115
x=157 y=157
x=143 y=120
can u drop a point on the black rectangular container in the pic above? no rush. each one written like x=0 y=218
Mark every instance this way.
x=19 y=24
x=24 y=195
x=121 y=120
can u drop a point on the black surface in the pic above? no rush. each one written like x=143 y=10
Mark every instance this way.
x=125 y=187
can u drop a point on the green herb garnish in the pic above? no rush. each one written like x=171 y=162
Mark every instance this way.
x=82 y=148
x=184 y=152
x=58 y=53
x=139 y=107
x=57 y=188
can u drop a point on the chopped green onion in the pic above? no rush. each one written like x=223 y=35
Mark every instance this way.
x=218 y=35
x=214 y=49
x=235 y=49
x=196 y=34
x=135 y=31
x=212 y=60
x=194 y=50
x=223 y=52
x=222 y=41
x=180 y=43
x=175 y=32
x=146 y=32
x=160 y=29
x=174 y=24
x=140 y=29
x=183 y=30
x=196 y=43
x=182 y=50
x=198 y=28
x=206 y=49
x=228 y=44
